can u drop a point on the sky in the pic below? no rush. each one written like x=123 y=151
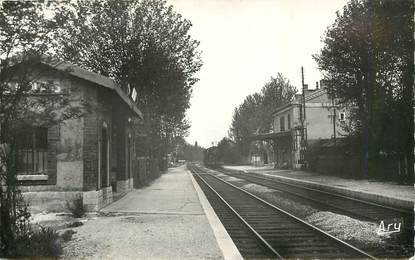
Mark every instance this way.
x=243 y=44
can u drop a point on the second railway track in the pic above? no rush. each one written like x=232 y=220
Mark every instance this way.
x=362 y=209
x=278 y=233
x=399 y=245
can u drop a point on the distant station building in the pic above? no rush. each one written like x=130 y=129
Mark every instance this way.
x=91 y=157
x=286 y=143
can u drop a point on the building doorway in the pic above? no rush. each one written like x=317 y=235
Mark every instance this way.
x=104 y=154
x=265 y=157
x=128 y=158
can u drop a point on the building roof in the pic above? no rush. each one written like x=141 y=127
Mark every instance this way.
x=93 y=77
x=316 y=93
x=309 y=96
x=278 y=109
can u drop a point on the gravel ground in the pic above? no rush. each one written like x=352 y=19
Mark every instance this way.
x=232 y=179
x=142 y=236
x=257 y=188
x=348 y=229
x=58 y=221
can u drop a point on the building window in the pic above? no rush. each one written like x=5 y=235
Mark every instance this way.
x=282 y=124
x=276 y=124
x=288 y=121
x=32 y=147
x=342 y=116
x=46 y=86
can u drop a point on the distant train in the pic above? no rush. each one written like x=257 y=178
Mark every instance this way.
x=212 y=157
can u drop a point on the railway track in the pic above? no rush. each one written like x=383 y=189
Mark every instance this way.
x=399 y=245
x=354 y=207
x=245 y=238
x=279 y=234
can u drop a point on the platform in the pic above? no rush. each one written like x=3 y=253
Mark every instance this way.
x=169 y=219
x=384 y=193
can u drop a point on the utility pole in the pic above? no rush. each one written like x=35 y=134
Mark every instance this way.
x=303 y=86
x=333 y=104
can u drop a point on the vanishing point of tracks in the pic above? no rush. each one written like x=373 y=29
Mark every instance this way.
x=262 y=230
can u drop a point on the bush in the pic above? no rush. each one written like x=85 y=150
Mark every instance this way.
x=76 y=207
x=42 y=243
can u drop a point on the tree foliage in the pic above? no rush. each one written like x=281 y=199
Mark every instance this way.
x=28 y=30
x=254 y=114
x=367 y=62
x=188 y=152
x=144 y=45
x=228 y=151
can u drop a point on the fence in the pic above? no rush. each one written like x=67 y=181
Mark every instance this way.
x=146 y=170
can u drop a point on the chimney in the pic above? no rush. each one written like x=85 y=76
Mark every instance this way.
x=316 y=84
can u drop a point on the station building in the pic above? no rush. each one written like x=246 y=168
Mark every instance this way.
x=284 y=146
x=90 y=158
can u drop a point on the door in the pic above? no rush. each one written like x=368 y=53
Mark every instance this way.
x=104 y=157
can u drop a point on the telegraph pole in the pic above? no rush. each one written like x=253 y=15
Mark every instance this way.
x=303 y=86
x=334 y=120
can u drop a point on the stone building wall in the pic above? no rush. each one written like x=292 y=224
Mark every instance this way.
x=76 y=153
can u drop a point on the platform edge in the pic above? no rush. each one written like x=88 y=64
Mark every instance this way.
x=226 y=245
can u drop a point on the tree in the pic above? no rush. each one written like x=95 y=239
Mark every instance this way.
x=246 y=121
x=367 y=62
x=188 y=152
x=28 y=31
x=144 y=45
x=227 y=151
x=277 y=92
x=254 y=114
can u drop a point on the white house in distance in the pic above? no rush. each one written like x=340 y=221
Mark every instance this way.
x=322 y=121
